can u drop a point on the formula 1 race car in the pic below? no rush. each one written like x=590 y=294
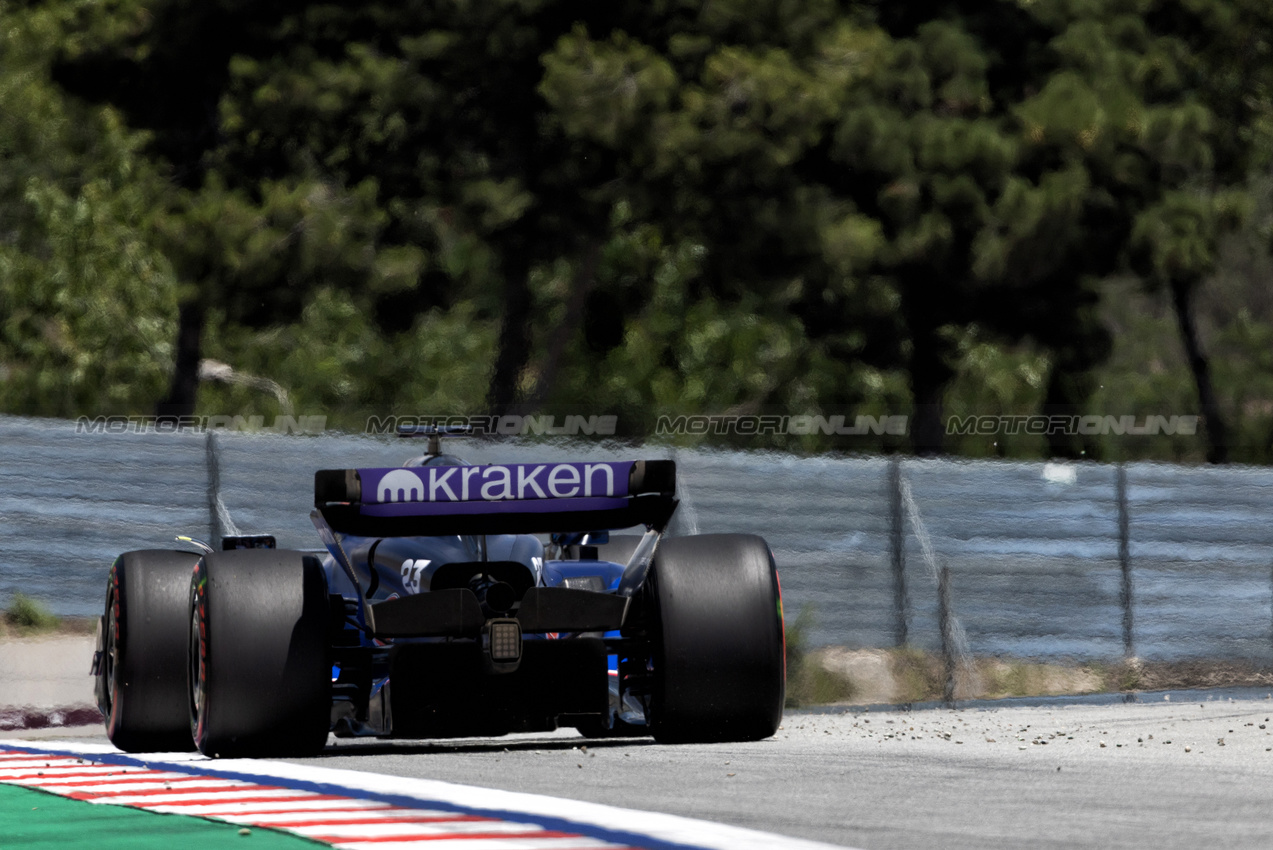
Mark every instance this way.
x=436 y=610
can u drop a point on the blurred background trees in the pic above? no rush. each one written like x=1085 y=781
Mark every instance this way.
x=88 y=302
x=929 y=209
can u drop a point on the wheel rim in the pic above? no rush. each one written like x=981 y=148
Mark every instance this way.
x=198 y=672
x=110 y=657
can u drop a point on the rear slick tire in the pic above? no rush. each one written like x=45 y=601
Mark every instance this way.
x=141 y=673
x=719 y=671
x=259 y=659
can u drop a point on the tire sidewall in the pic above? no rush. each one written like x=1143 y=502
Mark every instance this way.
x=718 y=654
x=112 y=651
x=140 y=677
x=259 y=669
x=197 y=655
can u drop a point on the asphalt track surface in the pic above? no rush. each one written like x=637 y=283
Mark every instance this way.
x=1194 y=769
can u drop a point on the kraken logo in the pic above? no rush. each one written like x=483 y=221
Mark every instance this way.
x=400 y=485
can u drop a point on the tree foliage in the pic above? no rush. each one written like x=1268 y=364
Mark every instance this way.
x=649 y=209
x=87 y=301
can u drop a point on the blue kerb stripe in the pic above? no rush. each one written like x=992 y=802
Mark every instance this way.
x=551 y=823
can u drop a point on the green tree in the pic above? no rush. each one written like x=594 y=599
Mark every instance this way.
x=737 y=205
x=855 y=179
x=436 y=104
x=1158 y=105
x=711 y=123
x=433 y=106
x=253 y=247
x=87 y=302
x=1132 y=124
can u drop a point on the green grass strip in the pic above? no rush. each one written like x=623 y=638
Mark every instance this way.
x=36 y=819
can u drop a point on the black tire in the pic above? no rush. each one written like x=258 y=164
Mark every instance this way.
x=718 y=640
x=141 y=673
x=259 y=658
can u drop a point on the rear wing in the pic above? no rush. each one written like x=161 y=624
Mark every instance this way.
x=514 y=498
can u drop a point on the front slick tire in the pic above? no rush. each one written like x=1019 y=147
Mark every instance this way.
x=259 y=665
x=141 y=678
x=718 y=649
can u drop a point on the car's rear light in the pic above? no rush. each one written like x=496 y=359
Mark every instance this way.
x=505 y=641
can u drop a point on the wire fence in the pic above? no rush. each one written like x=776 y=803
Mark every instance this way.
x=1083 y=561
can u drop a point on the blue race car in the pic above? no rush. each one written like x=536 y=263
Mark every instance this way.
x=438 y=610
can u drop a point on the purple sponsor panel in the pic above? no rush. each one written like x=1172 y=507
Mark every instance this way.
x=496 y=483
x=527 y=506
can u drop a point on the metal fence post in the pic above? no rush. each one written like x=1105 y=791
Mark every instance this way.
x=215 y=531
x=897 y=553
x=944 y=625
x=1124 y=560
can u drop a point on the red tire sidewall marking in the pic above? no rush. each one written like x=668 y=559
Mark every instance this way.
x=113 y=684
x=200 y=606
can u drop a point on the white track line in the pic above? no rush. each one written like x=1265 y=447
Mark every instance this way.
x=399 y=830
x=502 y=805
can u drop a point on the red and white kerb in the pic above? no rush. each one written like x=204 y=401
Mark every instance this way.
x=345 y=822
